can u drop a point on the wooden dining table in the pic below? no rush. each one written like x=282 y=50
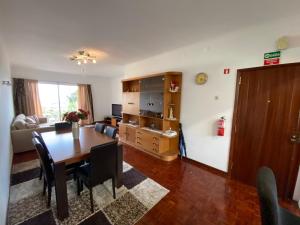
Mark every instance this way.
x=65 y=150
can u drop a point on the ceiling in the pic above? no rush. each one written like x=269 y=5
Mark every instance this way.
x=42 y=34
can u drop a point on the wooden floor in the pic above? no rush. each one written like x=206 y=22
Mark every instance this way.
x=197 y=195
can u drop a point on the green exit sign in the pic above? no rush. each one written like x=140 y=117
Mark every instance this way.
x=271 y=55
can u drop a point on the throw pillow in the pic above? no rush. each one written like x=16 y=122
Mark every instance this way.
x=20 y=124
x=30 y=120
x=36 y=118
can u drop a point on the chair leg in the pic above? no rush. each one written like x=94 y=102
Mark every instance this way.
x=44 y=187
x=91 y=199
x=113 y=187
x=49 y=196
x=75 y=174
x=78 y=186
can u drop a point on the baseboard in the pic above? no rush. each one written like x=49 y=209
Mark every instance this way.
x=206 y=167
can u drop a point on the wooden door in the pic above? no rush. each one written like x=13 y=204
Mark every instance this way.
x=131 y=103
x=266 y=117
x=131 y=134
x=122 y=132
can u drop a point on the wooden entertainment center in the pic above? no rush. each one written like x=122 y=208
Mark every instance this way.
x=151 y=114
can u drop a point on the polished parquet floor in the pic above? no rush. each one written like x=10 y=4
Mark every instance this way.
x=197 y=195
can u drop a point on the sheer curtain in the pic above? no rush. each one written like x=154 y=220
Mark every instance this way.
x=26 y=97
x=85 y=101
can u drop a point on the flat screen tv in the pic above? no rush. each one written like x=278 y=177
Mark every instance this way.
x=116 y=110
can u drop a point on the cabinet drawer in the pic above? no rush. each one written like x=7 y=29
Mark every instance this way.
x=148 y=141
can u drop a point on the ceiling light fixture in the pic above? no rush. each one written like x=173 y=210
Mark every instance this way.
x=83 y=57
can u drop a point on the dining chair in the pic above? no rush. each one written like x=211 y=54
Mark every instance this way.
x=99 y=127
x=110 y=131
x=47 y=166
x=101 y=167
x=271 y=212
x=61 y=126
x=70 y=168
x=35 y=134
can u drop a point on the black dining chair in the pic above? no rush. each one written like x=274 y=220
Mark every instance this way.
x=62 y=126
x=110 y=131
x=271 y=212
x=41 y=140
x=47 y=165
x=99 y=127
x=70 y=168
x=101 y=167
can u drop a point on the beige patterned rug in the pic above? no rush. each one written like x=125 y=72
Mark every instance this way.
x=28 y=206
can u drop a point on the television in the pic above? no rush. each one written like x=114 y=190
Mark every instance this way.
x=116 y=110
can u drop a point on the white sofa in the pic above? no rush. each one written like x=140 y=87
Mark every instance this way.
x=21 y=132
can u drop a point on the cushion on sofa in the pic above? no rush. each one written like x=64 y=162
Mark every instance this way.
x=19 y=124
x=36 y=118
x=30 y=120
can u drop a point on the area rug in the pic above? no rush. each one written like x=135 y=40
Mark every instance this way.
x=28 y=206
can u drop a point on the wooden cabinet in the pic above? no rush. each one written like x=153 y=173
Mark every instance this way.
x=130 y=134
x=127 y=134
x=122 y=132
x=152 y=103
x=131 y=103
x=151 y=141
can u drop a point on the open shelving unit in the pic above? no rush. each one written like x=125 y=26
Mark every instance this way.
x=147 y=105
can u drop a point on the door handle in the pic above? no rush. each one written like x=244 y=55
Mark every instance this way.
x=295 y=138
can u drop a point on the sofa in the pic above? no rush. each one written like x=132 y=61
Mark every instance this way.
x=21 y=131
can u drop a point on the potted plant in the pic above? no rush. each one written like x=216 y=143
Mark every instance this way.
x=74 y=117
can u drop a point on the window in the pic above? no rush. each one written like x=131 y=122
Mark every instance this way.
x=56 y=99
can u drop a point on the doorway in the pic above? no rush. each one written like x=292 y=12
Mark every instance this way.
x=266 y=125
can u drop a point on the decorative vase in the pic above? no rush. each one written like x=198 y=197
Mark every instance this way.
x=75 y=130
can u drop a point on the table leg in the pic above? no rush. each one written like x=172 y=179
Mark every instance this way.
x=119 y=178
x=61 y=191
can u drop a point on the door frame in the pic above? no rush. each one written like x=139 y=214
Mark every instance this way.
x=292 y=179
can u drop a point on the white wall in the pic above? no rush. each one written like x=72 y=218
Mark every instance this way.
x=100 y=86
x=199 y=109
x=6 y=117
x=116 y=90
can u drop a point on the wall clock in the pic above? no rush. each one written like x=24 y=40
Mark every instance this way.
x=201 y=78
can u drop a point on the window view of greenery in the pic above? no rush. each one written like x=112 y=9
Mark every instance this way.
x=58 y=99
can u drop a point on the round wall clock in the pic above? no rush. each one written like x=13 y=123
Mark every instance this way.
x=201 y=78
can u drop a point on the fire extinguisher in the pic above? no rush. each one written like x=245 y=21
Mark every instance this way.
x=221 y=126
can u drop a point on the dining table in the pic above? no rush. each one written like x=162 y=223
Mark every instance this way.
x=65 y=150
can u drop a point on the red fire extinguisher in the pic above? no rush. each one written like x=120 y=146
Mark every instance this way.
x=221 y=126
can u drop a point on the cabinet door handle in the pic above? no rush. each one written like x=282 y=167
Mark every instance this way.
x=139 y=143
x=130 y=103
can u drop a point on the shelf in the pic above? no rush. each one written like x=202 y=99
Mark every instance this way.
x=160 y=91
x=131 y=92
x=151 y=117
x=171 y=119
x=173 y=92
